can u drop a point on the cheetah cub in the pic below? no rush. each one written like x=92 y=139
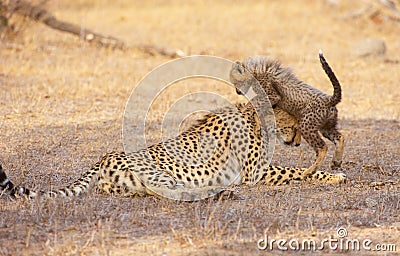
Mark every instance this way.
x=315 y=110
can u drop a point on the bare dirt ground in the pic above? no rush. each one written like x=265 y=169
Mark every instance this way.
x=62 y=103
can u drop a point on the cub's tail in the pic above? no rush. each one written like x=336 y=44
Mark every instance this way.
x=337 y=89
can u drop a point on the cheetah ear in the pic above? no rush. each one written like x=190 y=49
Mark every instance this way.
x=238 y=67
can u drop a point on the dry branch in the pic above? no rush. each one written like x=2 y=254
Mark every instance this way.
x=40 y=14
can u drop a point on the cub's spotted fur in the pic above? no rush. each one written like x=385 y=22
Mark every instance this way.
x=315 y=110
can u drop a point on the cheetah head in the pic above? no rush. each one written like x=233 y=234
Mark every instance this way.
x=287 y=130
x=241 y=78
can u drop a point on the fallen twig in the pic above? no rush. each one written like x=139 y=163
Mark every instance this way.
x=40 y=14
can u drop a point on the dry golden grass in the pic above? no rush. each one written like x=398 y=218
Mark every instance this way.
x=62 y=105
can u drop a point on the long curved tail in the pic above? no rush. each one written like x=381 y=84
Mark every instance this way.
x=337 y=89
x=78 y=187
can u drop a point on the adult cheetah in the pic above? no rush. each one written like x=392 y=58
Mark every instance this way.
x=315 y=110
x=224 y=147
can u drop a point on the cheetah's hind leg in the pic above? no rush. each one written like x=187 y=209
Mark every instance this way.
x=180 y=192
x=162 y=184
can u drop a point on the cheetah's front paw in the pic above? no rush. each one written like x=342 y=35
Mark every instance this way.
x=335 y=164
x=338 y=178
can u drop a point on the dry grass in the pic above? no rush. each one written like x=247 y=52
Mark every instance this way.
x=62 y=104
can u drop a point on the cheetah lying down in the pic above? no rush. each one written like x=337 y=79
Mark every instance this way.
x=315 y=110
x=199 y=163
